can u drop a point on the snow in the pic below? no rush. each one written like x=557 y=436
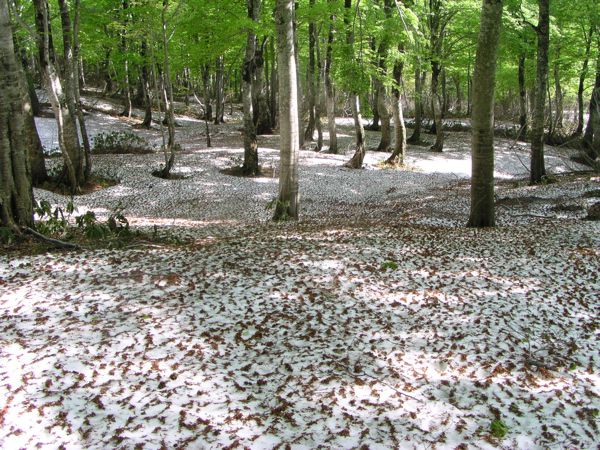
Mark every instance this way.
x=258 y=335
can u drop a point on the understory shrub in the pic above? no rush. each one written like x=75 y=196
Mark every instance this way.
x=119 y=142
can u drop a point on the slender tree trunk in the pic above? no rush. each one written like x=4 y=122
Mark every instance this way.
x=558 y=94
x=319 y=95
x=538 y=170
x=68 y=138
x=298 y=83
x=582 y=77
x=167 y=89
x=359 y=154
x=436 y=107
x=482 y=142
x=287 y=205
x=145 y=82
x=459 y=95
x=250 y=166
x=382 y=99
x=415 y=138
x=522 y=100
x=78 y=68
x=311 y=75
x=207 y=96
x=399 y=154
x=261 y=116
x=16 y=195
x=329 y=93
x=123 y=46
x=274 y=83
x=219 y=91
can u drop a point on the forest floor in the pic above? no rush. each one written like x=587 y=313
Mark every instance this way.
x=377 y=321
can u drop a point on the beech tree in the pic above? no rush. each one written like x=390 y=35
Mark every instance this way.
x=287 y=204
x=250 y=166
x=16 y=196
x=482 y=119
x=542 y=29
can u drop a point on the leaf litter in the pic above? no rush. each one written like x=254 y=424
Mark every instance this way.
x=255 y=335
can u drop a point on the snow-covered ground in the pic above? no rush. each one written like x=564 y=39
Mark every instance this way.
x=378 y=321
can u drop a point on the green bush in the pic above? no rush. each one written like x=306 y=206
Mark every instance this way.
x=120 y=142
x=498 y=429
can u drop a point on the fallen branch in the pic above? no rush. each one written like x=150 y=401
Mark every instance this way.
x=48 y=240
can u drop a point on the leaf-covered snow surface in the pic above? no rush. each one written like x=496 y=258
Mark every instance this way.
x=378 y=321
x=304 y=336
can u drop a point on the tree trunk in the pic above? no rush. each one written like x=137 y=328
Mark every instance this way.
x=591 y=138
x=298 y=84
x=68 y=138
x=219 y=91
x=167 y=97
x=436 y=108
x=287 y=205
x=262 y=120
x=274 y=83
x=329 y=93
x=538 y=170
x=311 y=87
x=522 y=100
x=415 y=138
x=123 y=47
x=77 y=69
x=32 y=143
x=145 y=82
x=482 y=142
x=399 y=154
x=359 y=154
x=381 y=96
x=582 y=77
x=558 y=94
x=319 y=94
x=16 y=195
x=250 y=166
x=207 y=96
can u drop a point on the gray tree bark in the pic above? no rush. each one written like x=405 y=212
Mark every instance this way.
x=16 y=195
x=287 y=205
x=482 y=142
x=68 y=137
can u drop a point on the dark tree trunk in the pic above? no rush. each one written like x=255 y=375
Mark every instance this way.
x=145 y=83
x=250 y=166
x=329 y=93
x=582 y=77
x=261 y=116
x=219 y=91
x=399 y=154
x=522 y=101
x=538 y=170
x=415 y=138
x=311 y=85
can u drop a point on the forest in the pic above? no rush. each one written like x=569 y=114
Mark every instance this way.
x=299 y=224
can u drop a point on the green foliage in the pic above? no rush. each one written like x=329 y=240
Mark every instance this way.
x=120 y=142
x=59 y=221
x=391 y=265
x=498 y=429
